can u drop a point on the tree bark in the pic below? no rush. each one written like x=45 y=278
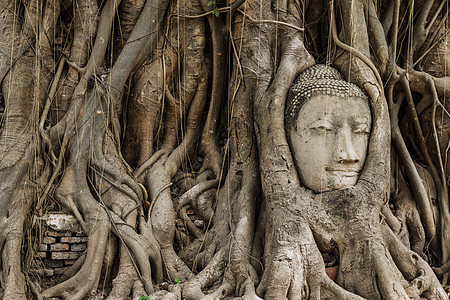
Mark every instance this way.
x=138 y=116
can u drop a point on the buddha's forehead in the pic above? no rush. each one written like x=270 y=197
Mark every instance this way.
x=334 y=108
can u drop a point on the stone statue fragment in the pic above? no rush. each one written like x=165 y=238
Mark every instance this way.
x=328 y=122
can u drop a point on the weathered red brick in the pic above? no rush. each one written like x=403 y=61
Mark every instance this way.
x=54 y=233
x=74 y=239
x=59 y=247
x=65 y=255
x=49 y=263
x=48 y=240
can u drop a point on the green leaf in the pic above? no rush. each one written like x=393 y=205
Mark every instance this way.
x=144 y=298
x=210 y=3
x=216 y=12
x=177 y=281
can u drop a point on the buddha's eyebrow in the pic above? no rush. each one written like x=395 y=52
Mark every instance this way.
x=321 y=119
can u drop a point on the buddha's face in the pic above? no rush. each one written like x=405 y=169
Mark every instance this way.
x=329 y=141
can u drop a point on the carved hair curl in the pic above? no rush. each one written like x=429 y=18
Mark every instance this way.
x=317 y=80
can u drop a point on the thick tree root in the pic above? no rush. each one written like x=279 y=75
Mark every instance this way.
x=419 y=274
x=15 y=197
x=175 y=267
x=210 y=274
x=300 y=273
x=123 y=283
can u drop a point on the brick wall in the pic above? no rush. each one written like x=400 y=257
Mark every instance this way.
x=62 y=244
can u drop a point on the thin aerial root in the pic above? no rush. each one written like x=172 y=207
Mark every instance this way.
x=58 y=166
x=115 y=184
x=111 y=252
x=51 y=95
x=186 y=181
x=80 y=70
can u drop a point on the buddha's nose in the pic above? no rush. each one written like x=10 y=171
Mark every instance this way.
x=345 y=149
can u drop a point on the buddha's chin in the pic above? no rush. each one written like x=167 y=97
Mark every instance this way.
x=342 y=181
x=338 y=181
x=333 y=180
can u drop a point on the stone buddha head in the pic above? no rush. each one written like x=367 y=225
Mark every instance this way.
x=328 y=122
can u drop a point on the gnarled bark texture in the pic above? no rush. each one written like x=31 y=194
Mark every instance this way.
x=160 y=126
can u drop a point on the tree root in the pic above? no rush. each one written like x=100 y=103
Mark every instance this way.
x=195 y=191
x=119 y=177
x=123 y=283
x=15 y=199
x=76 y=195
x=249 y=291
x=209 y=136
x=189 y=224
x=74 y=268
x=422 y=280
x=300 y=273
x=175 y=267
x=407 y=213
x=143 y=247
x=445 y=268
x=210 y=274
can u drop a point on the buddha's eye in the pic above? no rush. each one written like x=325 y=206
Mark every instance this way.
x=322 y=126
x=361 y=129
